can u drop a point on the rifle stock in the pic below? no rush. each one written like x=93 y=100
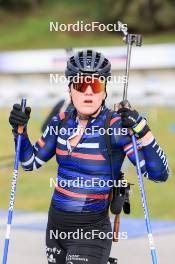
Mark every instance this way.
x=116 y=228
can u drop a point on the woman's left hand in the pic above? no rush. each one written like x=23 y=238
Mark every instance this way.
x=131 y=119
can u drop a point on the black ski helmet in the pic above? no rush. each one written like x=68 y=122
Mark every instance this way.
x=88 y=62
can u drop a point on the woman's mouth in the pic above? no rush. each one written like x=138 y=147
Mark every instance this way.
x=88 y=101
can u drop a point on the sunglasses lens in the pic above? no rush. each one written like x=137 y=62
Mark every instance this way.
x=97 y=85
x=80 y=87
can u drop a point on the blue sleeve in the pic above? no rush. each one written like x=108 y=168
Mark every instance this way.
x=156 y=161
x=33 y=157
x=153 y=162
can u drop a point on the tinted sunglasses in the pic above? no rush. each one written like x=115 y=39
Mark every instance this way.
x=97 y=84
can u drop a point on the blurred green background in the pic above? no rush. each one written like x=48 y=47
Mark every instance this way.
x=24 y=24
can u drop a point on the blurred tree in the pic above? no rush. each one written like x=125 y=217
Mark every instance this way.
x=143 y=15
x=140 y=15
x=20 y=4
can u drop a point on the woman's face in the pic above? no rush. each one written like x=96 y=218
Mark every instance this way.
x=87 y=102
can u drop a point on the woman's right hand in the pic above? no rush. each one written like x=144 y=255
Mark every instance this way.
x=19 y=118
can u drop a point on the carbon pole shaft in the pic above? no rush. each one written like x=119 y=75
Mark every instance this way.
x=128 y=60
x=13 y=189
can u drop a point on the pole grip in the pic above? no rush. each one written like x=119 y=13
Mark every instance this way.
x=23 y=105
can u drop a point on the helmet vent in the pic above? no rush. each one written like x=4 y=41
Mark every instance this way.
x=72 y=61
x=88 y=62
x=105 y=62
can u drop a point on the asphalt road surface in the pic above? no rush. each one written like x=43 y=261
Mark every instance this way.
x=27 y=241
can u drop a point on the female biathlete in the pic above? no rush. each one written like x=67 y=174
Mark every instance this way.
x=79 y=228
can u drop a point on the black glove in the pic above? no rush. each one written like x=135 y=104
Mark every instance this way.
x=19 y=118
x=131 y=119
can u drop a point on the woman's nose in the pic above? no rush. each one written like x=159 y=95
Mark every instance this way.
x=89 y=90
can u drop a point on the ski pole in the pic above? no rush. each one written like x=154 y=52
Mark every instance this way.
x=144 y=202
x=131 y=39
x=13 y=188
